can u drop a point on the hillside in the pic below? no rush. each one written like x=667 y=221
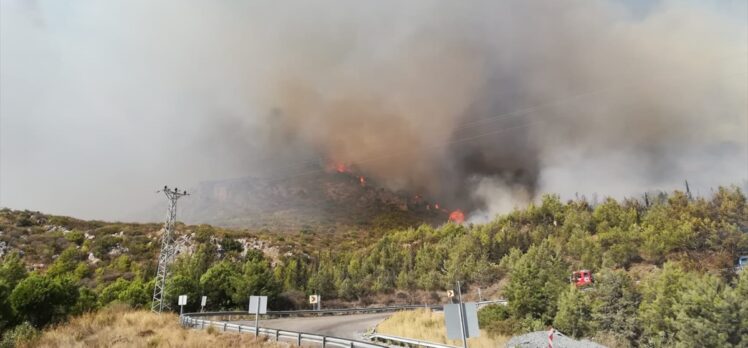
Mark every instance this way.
x=324 y=201
x=660 y=266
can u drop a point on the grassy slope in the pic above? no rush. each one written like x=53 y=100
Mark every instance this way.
x=426 y=325
x=119 y=326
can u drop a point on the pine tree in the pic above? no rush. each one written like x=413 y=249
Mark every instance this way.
x=615 y=304
x=574 y=313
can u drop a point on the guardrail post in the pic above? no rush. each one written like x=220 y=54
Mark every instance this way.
x=324 y=341
x=298 y=338
x=224 y=326
x=277 y=334
x=240 y=329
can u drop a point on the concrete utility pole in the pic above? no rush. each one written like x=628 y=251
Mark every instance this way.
x=168 y=250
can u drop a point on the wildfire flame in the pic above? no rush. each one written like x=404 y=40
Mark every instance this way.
x=362 y=180
x=341 y=168
x=457 y=216
x=436 y=206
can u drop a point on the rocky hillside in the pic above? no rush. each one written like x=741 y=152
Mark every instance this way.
x=320 y=201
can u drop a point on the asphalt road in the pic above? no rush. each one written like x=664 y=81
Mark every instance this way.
x=344 y=326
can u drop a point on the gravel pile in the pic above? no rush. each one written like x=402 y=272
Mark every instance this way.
x=539 y=339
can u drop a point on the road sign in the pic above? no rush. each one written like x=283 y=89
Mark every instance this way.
x=204 y=301
x=453 y=322
x=313 y=299
x=258 y=304
x=181 y=303
x=450 y=293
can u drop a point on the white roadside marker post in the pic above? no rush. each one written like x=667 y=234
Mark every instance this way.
x=258 y=305
x=182 y=302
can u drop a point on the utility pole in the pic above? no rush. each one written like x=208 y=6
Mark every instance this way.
x=463 y=329
x=168 y=250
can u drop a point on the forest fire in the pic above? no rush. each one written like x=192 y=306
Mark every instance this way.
x=362 y=180
x=457 y=216
x=336 y=166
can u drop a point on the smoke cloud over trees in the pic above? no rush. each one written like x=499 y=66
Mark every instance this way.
x=482 y=105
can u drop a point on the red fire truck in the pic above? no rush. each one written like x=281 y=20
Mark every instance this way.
x=582 y=278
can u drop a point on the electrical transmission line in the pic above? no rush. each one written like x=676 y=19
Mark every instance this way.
x=168 y=250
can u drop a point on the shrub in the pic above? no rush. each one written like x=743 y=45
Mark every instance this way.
x=19 y=335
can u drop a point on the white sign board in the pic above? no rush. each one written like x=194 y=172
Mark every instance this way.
x=182 y=300
x=450 y=293
x=453 y=322
x=313 y=299
x=204 y=301
x=258 y=305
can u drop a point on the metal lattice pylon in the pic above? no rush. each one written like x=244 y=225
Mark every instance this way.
x=168 y=251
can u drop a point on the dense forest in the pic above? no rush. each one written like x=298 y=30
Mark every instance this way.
x=664 y=270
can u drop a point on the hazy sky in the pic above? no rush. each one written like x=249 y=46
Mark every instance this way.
x=103 y=102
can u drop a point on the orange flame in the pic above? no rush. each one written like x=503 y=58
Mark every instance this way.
x=457 y=216
x=436 y=205
x=341 y=168
x=362 y=180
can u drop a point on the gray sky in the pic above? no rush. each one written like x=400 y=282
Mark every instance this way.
x=102 y=103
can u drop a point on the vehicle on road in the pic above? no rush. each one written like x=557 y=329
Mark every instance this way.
x=742 y=263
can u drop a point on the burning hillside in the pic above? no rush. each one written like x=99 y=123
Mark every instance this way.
x=322 y=199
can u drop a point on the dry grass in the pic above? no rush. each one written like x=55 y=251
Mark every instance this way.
x=426 y=325
x=119 y=326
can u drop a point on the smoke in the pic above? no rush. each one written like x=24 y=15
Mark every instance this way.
x=482 y=105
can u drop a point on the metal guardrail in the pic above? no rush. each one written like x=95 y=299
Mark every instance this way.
x=190 y=319
x=333 y=311
x=287 y=335
x=408 y=342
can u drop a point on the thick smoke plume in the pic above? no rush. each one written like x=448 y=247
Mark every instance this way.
x=482 y=105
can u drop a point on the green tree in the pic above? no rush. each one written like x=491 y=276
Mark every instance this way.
x=138 y=294
x=574 y=313
x=12 y=269
x=740 y=295
x=42 y=300
x=183 y=284
x=615 y=304
x=217 y=284
x=66 y=262
x=75 y=237
x=112 y=291
x=7 y=314
x=536 y=280
x=657 y=311
x=256 y=278
x=704 y=316
x=497 y=319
